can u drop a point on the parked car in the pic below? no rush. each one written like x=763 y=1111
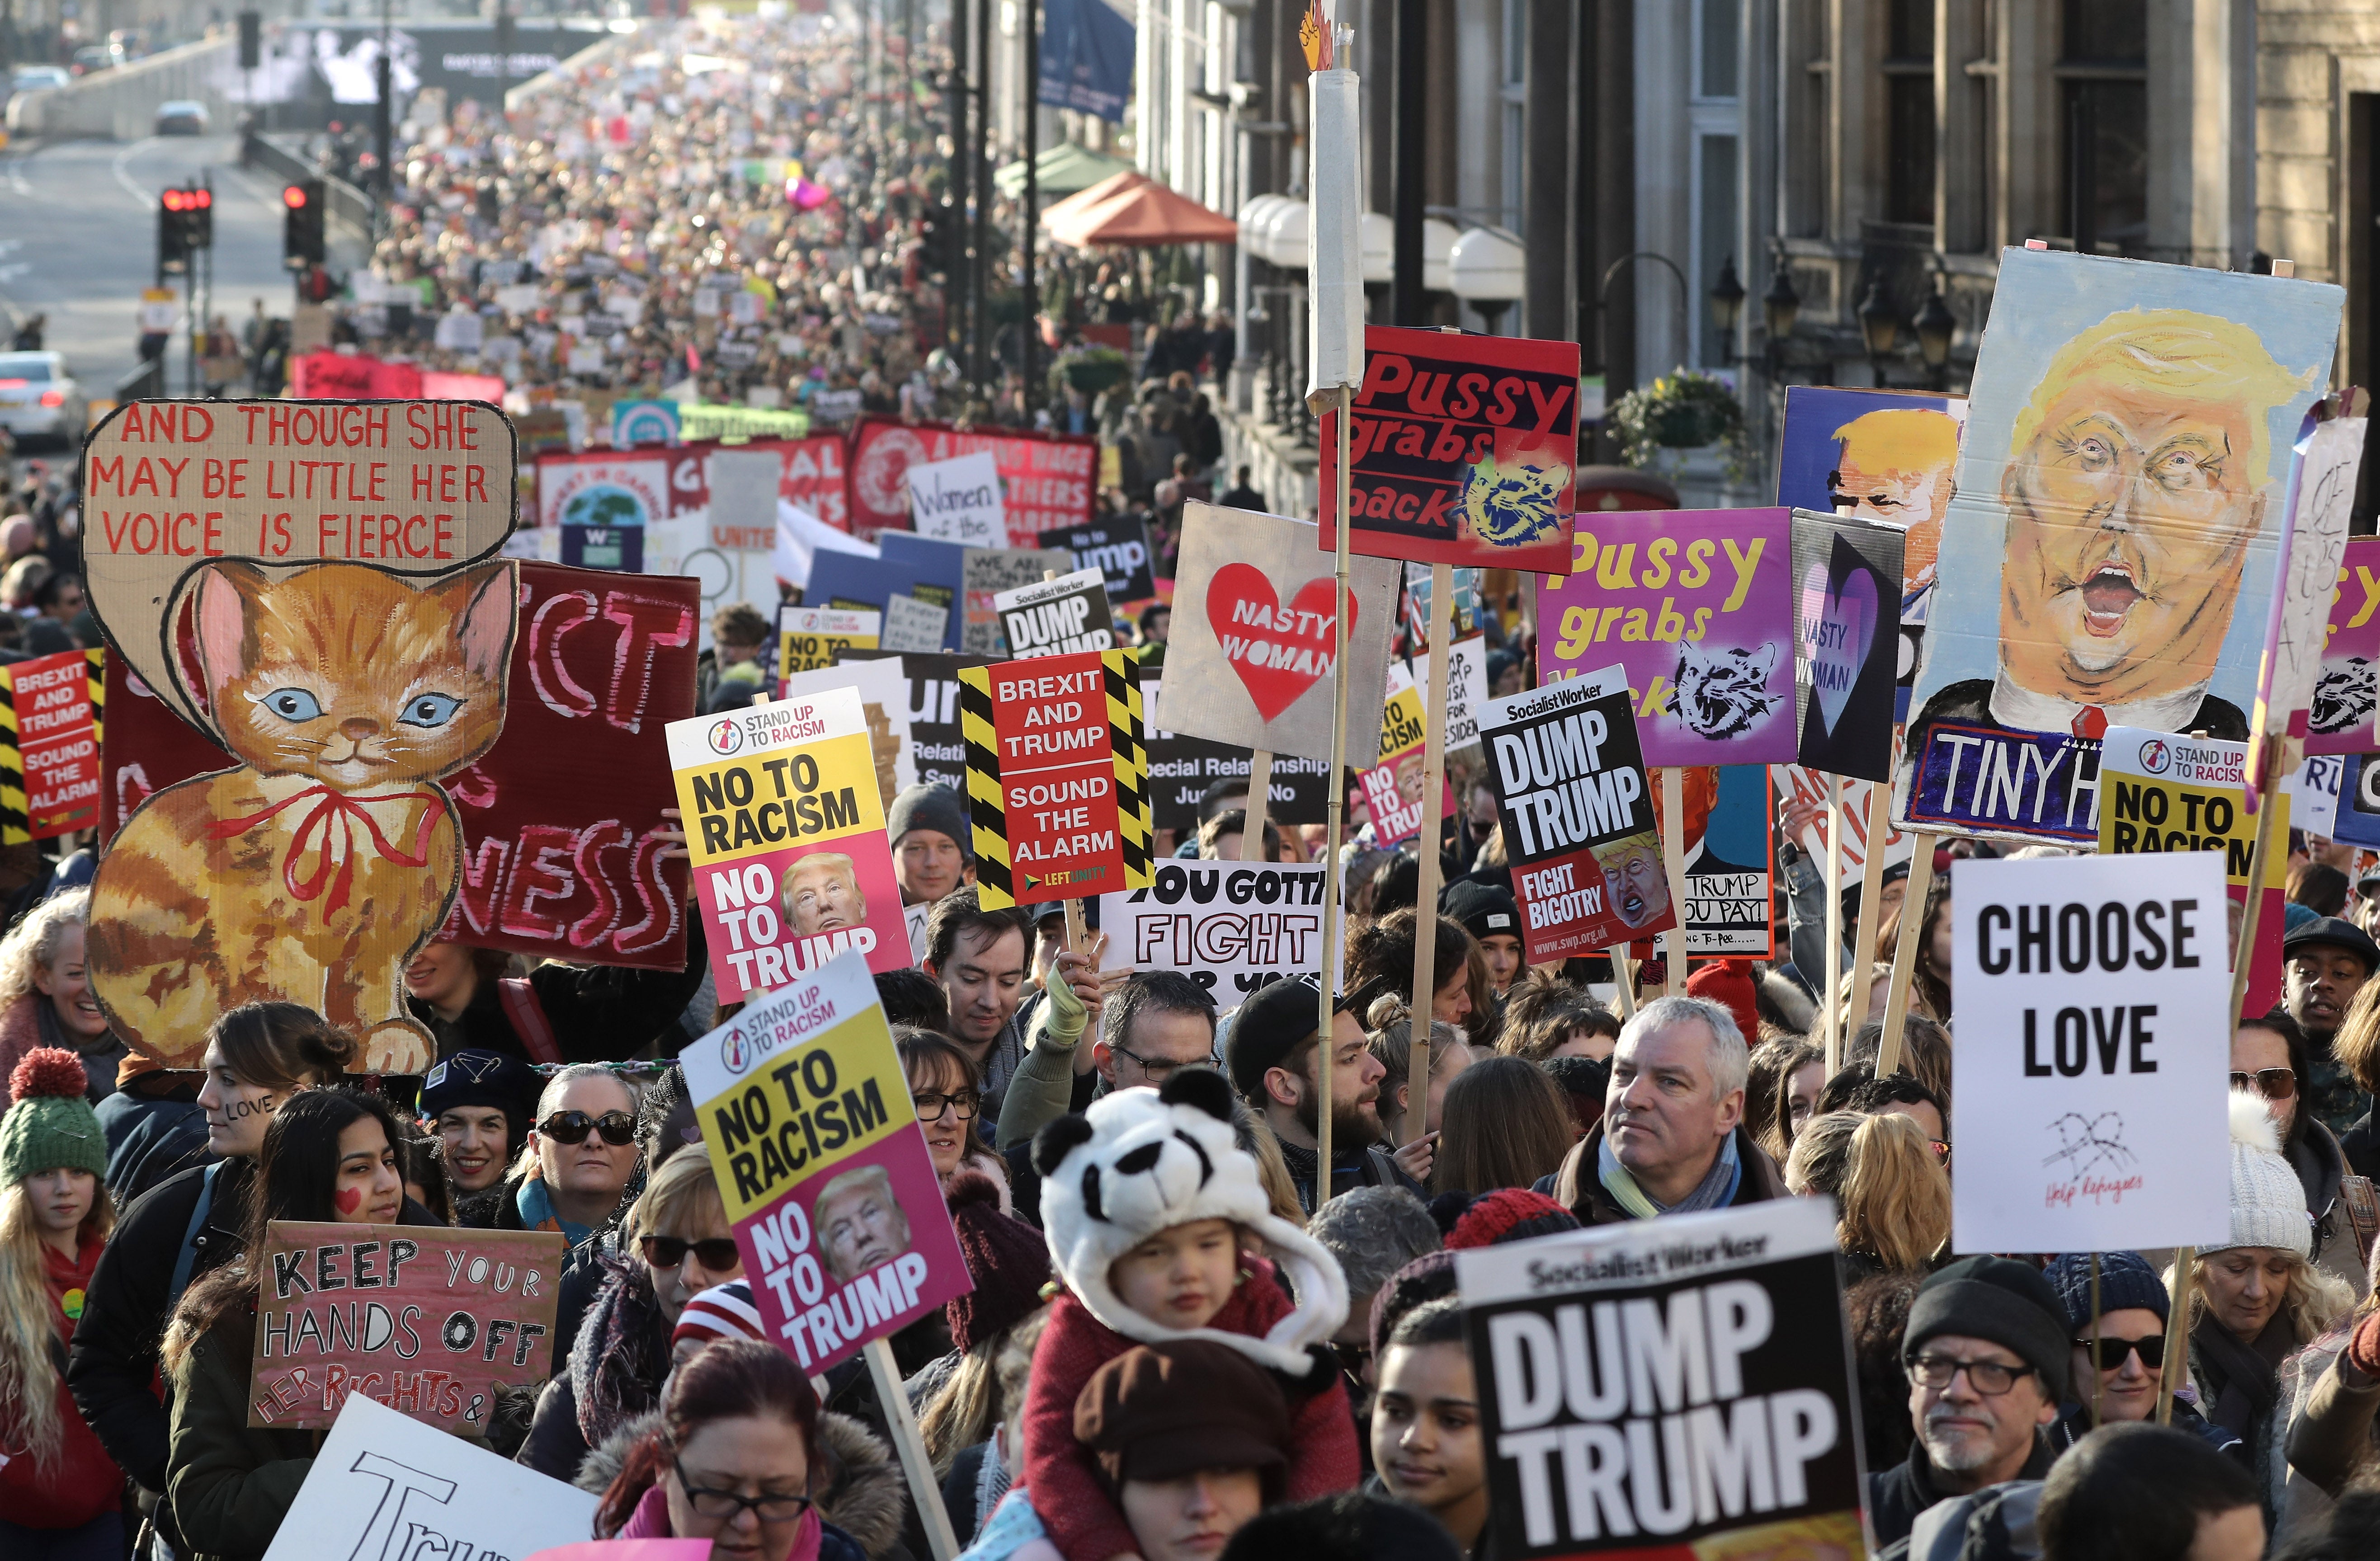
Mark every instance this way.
x=39 y=398
x=40 y=77
x=181 y=116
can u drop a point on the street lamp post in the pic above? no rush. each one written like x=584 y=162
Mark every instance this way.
x=1935 y=326
x=1488 y=270
x=1879 y=327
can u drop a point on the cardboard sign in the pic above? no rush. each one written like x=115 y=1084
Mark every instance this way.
x=1392 y=788
x=810 y=638
x=1249 y=658
x=1047 y=479
x=1463 y=448
x=2094 y=1033
x=2163 y=792
x=1057 y=777
x=912 y=624
x=2321 y=492
x=935 y=574
x=2048 y=626
x=1180 y=768
x=1847 y=639
x=1118 y=549
x=806 y=1116
x=785 y=821
x=1809 y=788
x=1061 y=617
x=385 y=1487
x=1698 y=606
x=1577 y=815
x=49 y=744
x=958 y=501
x=1466 y=688
x=601 y=489
x=550 y=865
x=427 y=1321
x=1884 y=455
x=990 y=572
x=1730 y=904
x=2313 y=791
x=1232 y=927
x=1743 y=1441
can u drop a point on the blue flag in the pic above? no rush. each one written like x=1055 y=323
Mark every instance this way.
x=1086 y=54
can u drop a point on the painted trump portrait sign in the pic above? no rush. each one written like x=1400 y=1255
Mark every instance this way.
x=2120 y=485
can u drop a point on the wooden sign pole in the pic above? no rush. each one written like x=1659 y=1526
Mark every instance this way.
x=1433 y=783
x=1905 y=953
x=1674 y=867
x=1830 y=993
x=1334 y=871
x=1871 y=910
x=1259 y=803
x=1623 y=980
x=924 y=1489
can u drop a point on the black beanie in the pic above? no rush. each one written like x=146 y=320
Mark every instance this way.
x=2003 y=1301
x=930 y=807
x=1267 y=1027
x=486 y=1079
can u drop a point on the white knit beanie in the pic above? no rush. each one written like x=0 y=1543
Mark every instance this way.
x=2268 y=1207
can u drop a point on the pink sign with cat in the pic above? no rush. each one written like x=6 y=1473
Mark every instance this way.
x=354 y=644
x=1698 y=606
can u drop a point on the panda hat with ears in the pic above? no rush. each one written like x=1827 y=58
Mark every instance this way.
x=1141 y=1161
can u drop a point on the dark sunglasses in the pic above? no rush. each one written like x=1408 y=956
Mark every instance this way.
x=717 y=1253
x=2273 y=1083
x=2110 y=1353
x=618 y=1128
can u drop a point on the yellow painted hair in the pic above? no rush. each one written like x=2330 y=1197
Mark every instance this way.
x=1900 y=439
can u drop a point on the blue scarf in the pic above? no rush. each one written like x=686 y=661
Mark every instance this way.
x=537 y=1212
x=1715 y=1190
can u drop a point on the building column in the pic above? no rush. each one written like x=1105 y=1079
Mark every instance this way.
x=1545 y=175
x=2202 y=92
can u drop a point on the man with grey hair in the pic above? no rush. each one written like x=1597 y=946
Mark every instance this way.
x=1672 y=1139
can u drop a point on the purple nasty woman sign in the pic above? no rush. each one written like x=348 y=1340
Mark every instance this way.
x=1698 y=606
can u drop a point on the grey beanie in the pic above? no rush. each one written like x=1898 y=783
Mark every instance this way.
x=2006 y=1303
x=930 y=807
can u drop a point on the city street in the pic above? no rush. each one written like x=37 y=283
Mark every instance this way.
x=79 y=220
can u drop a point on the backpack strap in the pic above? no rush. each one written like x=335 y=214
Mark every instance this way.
x=188 y=1258
x=529 y=1021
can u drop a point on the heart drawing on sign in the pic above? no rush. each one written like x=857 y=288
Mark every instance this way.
x=1838 y=626
x=1278 y=651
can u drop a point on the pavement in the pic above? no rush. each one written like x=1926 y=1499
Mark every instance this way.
x=79 y=242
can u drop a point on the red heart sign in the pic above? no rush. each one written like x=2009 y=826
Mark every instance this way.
x=1279 y=652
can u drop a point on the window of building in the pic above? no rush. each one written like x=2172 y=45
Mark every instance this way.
x=1909 y=113
x=1512 y=103
x=2104 y=114
x=1716 y=118
x=1720 y=45
x=1715 y=238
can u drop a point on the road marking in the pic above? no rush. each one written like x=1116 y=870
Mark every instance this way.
x=144 y=197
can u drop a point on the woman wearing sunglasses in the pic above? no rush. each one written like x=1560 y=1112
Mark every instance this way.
x=2117 y=1360
x=580 y=1154
x=678 y=1243
x=730 y=1462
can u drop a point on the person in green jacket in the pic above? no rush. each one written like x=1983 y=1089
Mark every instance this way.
x=331 y=1154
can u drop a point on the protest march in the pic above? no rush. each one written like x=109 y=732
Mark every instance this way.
x=617 y=966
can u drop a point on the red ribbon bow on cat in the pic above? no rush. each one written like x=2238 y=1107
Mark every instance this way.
x=333 y=860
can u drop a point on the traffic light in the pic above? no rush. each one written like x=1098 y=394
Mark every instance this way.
x=252 y=40
x=301 y=228
x=944 y=245
x=186 y=223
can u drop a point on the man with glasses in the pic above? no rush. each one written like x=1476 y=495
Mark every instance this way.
x=1989 y=1354
x=2270 y=1059
x=2116 y=1362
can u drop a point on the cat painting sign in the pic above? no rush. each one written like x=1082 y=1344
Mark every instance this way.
x=786 y=829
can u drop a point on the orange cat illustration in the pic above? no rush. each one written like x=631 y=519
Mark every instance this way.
x=315 y=870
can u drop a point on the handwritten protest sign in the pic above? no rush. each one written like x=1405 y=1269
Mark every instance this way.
x=1743 y=1441
x=1466 y=688
x=1060 y=617
x=1807 y=787
x=1118 y=549
x=1578 y=816
x=1057 y=777
x=1250 y=655
x=958 y=501
x=785 y=821
x=548 y=865
x=988 y=572
x=1847 y=620
x=2347 y=690
x=385 y=1487
x=2163 y=792
x=1047 y=479
x=934 y=573
x=2094 y=1031
x=427 y=1320
x=49 y=746
x=809 y=637
x=1730 y=906
x=2313 y=541
x=827 y=1181
x=911 y=624
x=1230 y=926
x=1462 y=451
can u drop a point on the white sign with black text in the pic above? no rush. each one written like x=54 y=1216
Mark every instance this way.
x=2093 y=1052
x=1057 y=617
x=958 y=501
x=1231 y=927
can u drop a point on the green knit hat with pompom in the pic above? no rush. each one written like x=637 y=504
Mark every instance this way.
x=49 y=1126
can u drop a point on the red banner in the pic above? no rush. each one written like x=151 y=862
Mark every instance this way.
x=562 y=818
x=1049 y=482
x=817 y=474
x=338 y=376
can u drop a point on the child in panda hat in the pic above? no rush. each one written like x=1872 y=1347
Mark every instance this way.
x=1154 y=1214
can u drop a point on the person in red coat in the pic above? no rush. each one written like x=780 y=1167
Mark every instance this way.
x=1155 y=1219
x=61 y=1495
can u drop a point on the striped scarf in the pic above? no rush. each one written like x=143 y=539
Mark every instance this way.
x=1715 y=1191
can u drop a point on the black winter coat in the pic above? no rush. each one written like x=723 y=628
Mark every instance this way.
x=599 y=1013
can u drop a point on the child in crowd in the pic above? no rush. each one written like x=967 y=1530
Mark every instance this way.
x=1154 y=1215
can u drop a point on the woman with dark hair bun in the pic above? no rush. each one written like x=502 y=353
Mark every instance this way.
x=730 y=1461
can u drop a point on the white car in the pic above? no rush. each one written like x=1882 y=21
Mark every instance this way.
x=181 y=116
x=40 y=77
x=39 y=399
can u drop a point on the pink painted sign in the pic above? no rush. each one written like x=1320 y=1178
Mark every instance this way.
x=426 y=1320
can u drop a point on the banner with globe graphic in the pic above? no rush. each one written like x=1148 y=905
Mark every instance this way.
x=603 y=490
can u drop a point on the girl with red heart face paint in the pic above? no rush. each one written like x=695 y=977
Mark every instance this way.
x=371 y=1187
